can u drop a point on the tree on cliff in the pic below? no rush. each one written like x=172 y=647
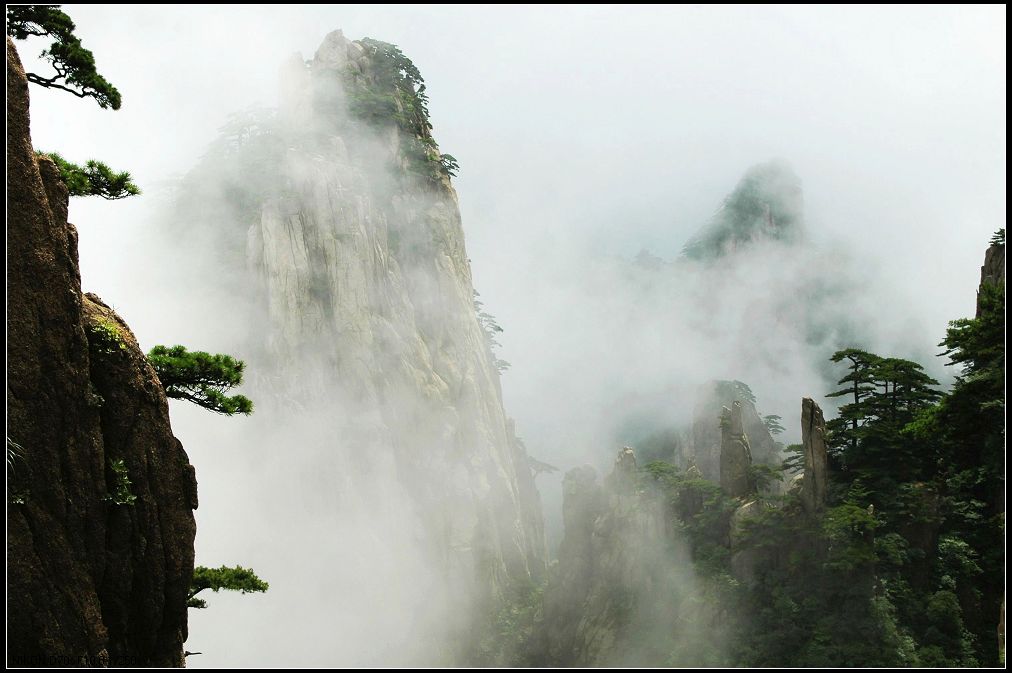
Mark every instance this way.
x=94 y=179
x=240 y=579
x=74 y=65
x=201 y=378
x=76 y=74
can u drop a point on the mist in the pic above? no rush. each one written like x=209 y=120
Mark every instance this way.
x=584 y=136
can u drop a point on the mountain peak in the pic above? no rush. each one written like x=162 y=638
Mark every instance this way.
x=766 y=204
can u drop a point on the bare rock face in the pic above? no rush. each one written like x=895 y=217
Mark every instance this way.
x=735 y=456
x=993 y=270
x=816 y=474
x=744 y=559
x=97 y=569
x=711 y=398
x=613 y=538
x=369 y=303
x=362 y=332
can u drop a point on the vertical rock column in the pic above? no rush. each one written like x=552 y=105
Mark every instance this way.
x=813 y=437
x=735 y=455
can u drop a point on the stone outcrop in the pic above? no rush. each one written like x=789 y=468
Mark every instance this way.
x=711 y=399
x=735 y=456
x=815 y=482
x=766 y=205
x=993 y=270
x=97 y=570
x=614 y=534
x=357 y=316
x=369 y=300
x=745 y=559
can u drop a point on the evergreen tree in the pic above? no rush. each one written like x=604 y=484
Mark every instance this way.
x=888 y=393
x=201 y=378
x=859 y=383
x=240 y=579
x=95 y=179
x=772 y=423
x=490 y=329
x=73 y=65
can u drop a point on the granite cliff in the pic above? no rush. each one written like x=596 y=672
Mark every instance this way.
x=100 y=493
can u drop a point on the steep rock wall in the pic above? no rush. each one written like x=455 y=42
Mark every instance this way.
x=711 y=399
x=367 y=285
x=89 y=582
x=340 y=243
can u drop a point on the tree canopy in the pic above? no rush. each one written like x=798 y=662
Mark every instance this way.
x=94 y=179
x=240 y=579
x=201 y=378
x=394 y=91
x=73 y=65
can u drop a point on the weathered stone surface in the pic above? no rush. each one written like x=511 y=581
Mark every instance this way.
x=362 y=333
x=612 y=545
x=89 y=582
x=735 y=456
x=369 y=300
x=711 y=398
x=816 y=474
x=744 y=559
x=993 y=270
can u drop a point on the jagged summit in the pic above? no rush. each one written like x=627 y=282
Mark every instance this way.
x=765 y=205
x=338 y=226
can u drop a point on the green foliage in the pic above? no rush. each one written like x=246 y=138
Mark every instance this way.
x=763 y=476
x=998 y=238
x=121 y=494
x=73 y=65
x=490 y=329
x=449 y=164
x=849 y=529
x=904 y=567
x=201 y=378
x=95 y=179
x=394 y=91
x=240 y=579
x=765 y=205
x=509 y=639
x=702 y=509
x=867 y=437
x=795 y=460
x=105 y=338
x=772 y=423
x=932 y=465
x=735 y=390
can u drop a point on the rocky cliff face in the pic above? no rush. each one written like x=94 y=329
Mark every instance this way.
x=357 y=317
x=815 y=479
x=614 y=539
x=98 y=569
x=707 y=433
x=766 y=205
x=735 y=457
x=993 y=270
x=367 y=284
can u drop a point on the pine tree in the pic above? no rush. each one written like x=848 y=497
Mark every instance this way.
x=240 y=579
x=845 y=429
x=73 y=65
x=95 y=179
x=201 y=378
